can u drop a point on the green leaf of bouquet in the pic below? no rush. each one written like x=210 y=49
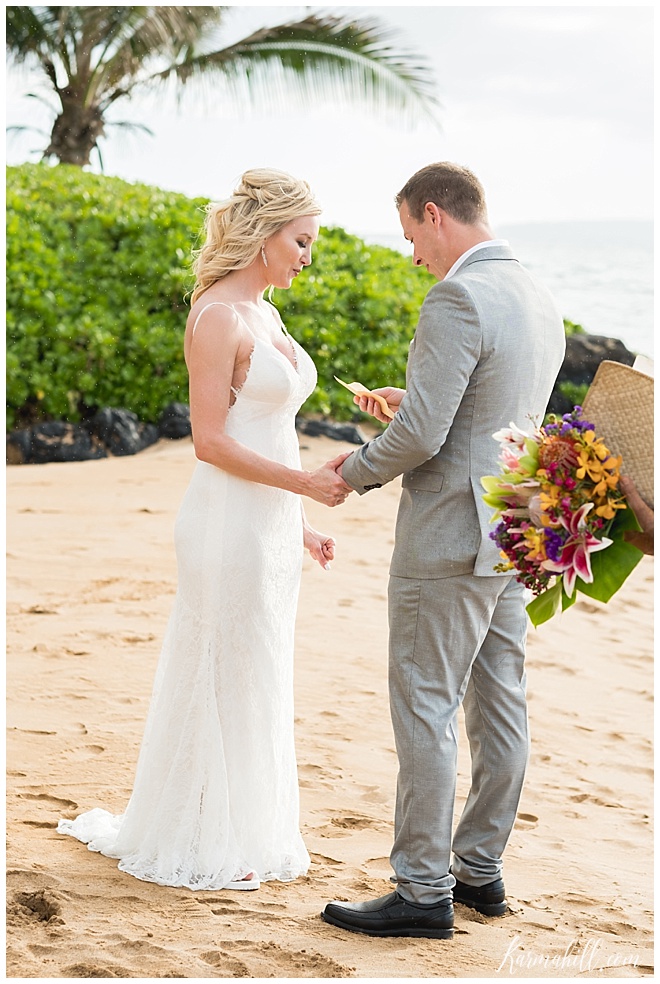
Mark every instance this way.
x=532 y=446
x=611 y=567
x=491 y=483
x=545 y=605
x=528 y=464
x=495 y=502
x=566 y=602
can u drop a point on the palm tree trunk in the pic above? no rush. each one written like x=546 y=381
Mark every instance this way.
x=75 y=132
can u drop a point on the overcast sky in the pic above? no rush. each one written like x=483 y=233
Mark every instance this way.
x=550 y=106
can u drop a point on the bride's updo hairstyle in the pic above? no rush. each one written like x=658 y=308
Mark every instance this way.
x=264 y=201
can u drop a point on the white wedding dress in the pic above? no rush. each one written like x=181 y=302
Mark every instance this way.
x=216 y=789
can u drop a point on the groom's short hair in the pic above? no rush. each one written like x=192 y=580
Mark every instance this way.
x=451 y=187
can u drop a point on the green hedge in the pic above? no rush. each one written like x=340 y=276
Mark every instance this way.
x=97 y=271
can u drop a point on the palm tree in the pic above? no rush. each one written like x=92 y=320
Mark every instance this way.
x=94 y=56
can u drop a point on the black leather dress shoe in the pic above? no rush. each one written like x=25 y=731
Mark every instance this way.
x=392 y=915
x=489 y=899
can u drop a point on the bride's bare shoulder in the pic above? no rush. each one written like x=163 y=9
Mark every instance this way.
x=212 y=311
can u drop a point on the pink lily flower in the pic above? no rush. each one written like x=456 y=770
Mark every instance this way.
x=574 y=560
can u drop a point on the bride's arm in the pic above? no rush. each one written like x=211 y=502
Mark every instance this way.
x=211 y=356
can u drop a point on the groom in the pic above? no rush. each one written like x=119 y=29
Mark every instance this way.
x=487 y=349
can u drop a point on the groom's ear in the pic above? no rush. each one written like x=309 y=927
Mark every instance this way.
x=433 y=214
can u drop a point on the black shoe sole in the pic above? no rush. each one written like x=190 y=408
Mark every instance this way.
x=485 y=908
x=429 y=934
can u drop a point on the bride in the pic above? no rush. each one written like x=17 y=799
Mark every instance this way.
x=215 y=800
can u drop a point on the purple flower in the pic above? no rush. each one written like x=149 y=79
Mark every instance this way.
x=553 y=544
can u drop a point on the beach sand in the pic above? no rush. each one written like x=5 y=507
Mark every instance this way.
x=91 y=582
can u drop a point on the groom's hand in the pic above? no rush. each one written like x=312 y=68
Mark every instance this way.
x=393 y=395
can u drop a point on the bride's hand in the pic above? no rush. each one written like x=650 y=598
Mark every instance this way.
x=325 y=485
x=321 y=548
x=393 y=395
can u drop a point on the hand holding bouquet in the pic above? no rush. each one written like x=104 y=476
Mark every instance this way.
x=561 y=514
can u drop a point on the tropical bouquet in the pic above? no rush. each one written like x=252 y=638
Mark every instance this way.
x=561 y=514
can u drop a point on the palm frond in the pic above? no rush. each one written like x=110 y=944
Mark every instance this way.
x=146 y=34
x=129 y=126
x=42 y=99
x=319 y=57
x=27 y=30
x=18 y=128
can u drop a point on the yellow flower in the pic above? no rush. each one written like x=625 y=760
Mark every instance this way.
x=608 y=510
x=592 y=466
x=596 y=444
x=536 y=545
x=549 y=498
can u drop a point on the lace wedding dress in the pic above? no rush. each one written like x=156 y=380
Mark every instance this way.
x=216 y=790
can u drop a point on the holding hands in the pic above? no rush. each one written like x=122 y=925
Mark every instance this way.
x=326 y=484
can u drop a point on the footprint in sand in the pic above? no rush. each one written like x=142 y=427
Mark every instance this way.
x=598 y=800
x=231 y=967
x=526 y=821
x=324 y=859
x=42 y=905
x=86 y=752
x=56 y=801
x=272 y=960
x=89 y=970
x=133 y=639
x=312 y=776
x=39 y=610
x=354 y=823
x=378 y=867
x=374 y=794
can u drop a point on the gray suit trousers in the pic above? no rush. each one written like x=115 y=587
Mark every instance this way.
x=456 y=640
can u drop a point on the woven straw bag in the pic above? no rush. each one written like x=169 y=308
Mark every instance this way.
x=619 y=403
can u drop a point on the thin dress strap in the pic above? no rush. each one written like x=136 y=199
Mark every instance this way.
x=213 y=304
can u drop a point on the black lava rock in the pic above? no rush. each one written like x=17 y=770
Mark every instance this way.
x=174 y=421
x=121 y=431
x=19 y=446
x=56 y=440
x=338 y=432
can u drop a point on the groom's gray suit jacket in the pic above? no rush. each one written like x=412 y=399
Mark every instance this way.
x=487 y=350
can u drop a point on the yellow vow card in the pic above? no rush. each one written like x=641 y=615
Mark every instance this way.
x=357 y=389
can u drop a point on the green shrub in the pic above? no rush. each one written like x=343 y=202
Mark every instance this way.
x=574 y=392
x=571 y=328
x=97 y=270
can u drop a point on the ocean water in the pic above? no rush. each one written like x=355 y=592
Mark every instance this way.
x=601 y=273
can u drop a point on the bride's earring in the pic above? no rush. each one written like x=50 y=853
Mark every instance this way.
x=263 y=255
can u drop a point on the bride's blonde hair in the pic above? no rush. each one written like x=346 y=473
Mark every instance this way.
x=264 y=201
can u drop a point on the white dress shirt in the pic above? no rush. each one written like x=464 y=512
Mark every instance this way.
x=473 y=249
